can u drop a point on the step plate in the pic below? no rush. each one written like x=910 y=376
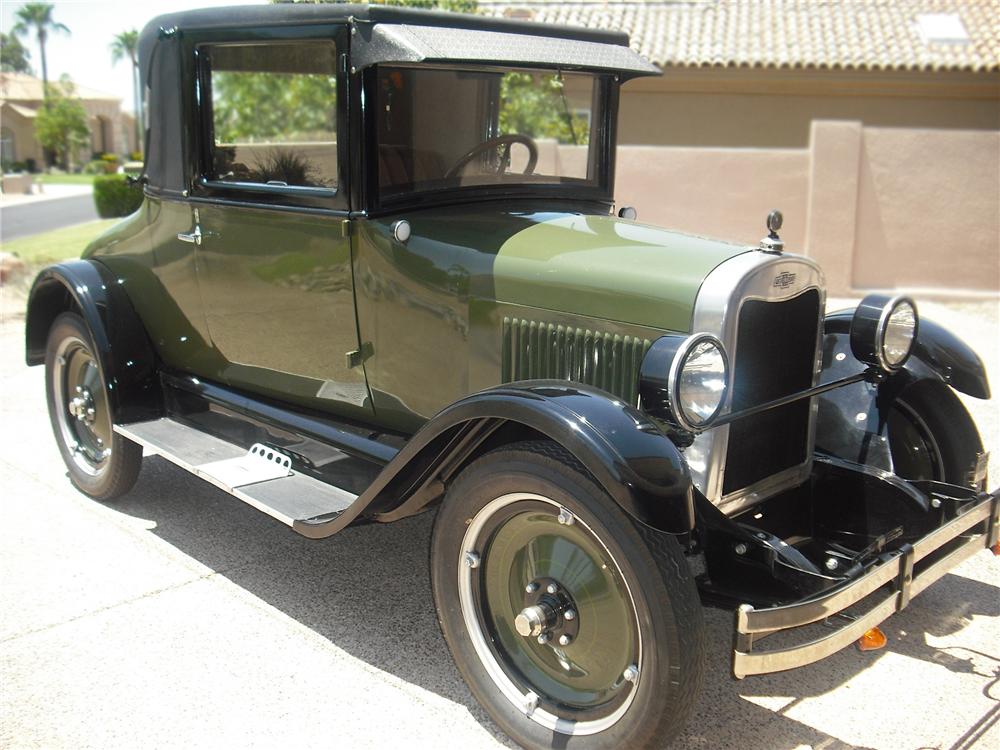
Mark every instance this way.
x=292 y=498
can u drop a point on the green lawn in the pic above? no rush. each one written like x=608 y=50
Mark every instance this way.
x=64 y=179
x=59 y=244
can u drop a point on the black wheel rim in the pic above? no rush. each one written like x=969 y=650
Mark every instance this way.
x=579 y=676
x=915 y=452
x=81 y=406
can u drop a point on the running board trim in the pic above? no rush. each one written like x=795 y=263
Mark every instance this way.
x=295 y=499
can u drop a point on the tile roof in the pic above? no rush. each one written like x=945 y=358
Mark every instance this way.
x=836 y=34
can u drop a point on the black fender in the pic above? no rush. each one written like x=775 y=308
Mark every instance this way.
x=850 y=418
x=623 y=450
x=937 y=353
x=127 y=358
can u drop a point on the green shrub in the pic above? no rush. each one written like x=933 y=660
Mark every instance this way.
x=113 y=196
x=135 y=156
x=94 y=167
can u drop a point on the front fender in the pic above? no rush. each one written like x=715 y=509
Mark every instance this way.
x=937 y=353
x=851 y=419
x=623 y=450
x=127 y=359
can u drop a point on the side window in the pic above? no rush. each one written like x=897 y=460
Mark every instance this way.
x=273 y=114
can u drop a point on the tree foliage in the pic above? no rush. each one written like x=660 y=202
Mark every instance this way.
x=535 y=105
x=14 y=58
x=126 y=47
x=37 y=18
x=61 y=124
x=258 y=107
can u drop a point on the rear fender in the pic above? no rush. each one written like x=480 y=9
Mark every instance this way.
x=127 y=359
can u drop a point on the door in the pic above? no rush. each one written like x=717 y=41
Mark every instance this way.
x=270 y=222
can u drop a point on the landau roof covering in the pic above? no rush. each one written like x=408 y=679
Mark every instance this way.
x=835 y=34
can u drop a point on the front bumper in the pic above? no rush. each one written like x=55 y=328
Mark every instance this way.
x=891 y=584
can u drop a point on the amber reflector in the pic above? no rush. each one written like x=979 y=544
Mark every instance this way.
x=873 y=640
x=996 y=549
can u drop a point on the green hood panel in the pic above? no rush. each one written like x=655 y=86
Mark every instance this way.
x=606 y=267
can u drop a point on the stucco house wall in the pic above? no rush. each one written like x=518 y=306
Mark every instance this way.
x=20 y=99
x=887 y=179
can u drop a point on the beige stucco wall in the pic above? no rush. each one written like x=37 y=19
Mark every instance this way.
x=887 y=180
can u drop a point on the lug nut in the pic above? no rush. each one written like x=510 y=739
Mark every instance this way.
x=544 y=638
x=569 y=614
x=552 y=588
x=531 y=588
x=565 y=640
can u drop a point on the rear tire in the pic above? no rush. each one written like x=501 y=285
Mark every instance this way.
x=101 y=463
x=632 y=666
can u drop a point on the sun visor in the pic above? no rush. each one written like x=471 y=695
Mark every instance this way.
x=406 y=43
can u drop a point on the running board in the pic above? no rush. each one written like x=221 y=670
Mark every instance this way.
x=261 y=477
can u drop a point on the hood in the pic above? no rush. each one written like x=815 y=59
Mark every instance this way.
x=606 y=267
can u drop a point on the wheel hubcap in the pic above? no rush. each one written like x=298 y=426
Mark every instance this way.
x=81 y=406
x=550 y=615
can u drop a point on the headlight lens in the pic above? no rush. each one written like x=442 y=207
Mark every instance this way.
x=701 y=378
x=883 y=330
x=900 y=329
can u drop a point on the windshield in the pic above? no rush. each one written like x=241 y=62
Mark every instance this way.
x=449 y=129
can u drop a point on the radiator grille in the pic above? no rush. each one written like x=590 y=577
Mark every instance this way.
x=775 y=356
x=535 y=350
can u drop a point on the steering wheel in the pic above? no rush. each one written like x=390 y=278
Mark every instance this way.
x=494 y=144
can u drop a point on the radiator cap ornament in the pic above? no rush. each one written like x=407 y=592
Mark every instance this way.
x=773 y=243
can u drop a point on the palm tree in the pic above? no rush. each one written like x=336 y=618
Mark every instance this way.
x=37 y=17
x=126 y=44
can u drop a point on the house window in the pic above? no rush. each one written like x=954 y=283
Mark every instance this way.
x=274 y=114
x=7 y=147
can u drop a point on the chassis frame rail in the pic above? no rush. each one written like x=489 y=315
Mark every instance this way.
x=752 y=624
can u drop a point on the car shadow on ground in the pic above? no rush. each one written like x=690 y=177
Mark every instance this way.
x=367 y=591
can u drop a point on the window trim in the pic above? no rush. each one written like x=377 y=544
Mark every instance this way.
x=600 y=190
x=290 y=196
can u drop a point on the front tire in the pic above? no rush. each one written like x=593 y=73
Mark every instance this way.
x=101 y=463
x=524 y=536
x=932 y=436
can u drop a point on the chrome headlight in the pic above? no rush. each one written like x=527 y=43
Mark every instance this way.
x=685 y=380
x=883 y=330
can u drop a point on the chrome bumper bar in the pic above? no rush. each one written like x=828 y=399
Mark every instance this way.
x=752 y=624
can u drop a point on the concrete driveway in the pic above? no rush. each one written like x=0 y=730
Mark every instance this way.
x=181 y=618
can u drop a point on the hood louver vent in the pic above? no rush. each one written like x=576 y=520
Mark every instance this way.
x=545 y=351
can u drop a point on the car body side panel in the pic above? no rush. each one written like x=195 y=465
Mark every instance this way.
x=279 y=301
x=432 y=308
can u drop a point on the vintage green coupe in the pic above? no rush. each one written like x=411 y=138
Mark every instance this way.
x=378 y=269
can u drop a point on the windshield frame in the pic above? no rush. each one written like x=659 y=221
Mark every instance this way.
x=602 y=143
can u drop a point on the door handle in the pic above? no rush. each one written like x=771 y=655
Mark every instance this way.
x=194 y=236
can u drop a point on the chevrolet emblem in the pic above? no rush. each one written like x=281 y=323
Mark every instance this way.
x=783 y=280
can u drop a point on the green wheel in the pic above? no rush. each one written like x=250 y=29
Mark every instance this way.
x=572 y=626
x=101 y=463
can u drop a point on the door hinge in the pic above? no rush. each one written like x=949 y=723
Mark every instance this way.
x=360 y=356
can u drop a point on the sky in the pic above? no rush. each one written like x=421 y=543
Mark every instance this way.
x=85 y=52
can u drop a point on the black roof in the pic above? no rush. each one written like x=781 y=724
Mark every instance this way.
x=305 y=13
